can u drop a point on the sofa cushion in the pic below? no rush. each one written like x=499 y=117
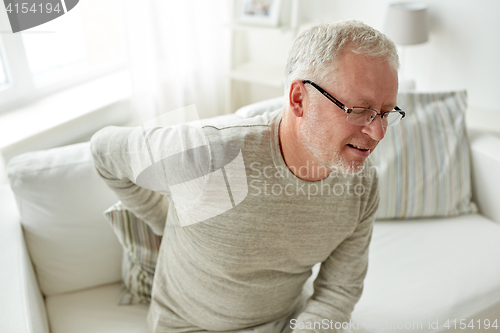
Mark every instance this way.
x=95 y=310
x=61 y=199
x=140 y=253
x=432 y=269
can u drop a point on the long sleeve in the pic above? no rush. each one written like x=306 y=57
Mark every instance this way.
x=339 y=284
x=113 y=159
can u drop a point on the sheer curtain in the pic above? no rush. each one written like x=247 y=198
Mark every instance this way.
x=179 y=55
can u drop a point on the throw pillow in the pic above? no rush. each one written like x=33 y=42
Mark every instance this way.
x=423 y=162
x=140 y=253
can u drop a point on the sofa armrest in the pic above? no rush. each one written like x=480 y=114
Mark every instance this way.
x=485 y=155
x=22 y=309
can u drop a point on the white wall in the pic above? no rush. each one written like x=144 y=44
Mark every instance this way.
x=463 y=51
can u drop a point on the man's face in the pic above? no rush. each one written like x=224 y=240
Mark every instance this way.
x=332 y=141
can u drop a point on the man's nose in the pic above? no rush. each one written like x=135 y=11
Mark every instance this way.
x=375 y=129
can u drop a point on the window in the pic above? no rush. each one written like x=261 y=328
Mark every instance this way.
x=85 y=43
x=56 y=48
x=3 y=74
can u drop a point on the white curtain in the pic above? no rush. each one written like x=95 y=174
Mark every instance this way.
x=179 y=54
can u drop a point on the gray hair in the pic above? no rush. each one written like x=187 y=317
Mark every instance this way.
x=315 y=51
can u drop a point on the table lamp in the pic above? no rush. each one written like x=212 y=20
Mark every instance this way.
x=406 y=24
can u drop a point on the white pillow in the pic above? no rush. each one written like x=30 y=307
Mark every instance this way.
x=61 y=199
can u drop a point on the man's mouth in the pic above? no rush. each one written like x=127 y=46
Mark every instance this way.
x=358 y=147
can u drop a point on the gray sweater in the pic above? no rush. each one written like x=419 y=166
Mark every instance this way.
x=244 y=265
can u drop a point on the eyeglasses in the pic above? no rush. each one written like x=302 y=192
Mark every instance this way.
x=362 y=116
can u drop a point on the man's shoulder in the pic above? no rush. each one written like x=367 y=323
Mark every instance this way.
x=222 y=123
x=239 y=129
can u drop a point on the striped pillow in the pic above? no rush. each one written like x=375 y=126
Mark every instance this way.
x=423 y=162
x=140 y=252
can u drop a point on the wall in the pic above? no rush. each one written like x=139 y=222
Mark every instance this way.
x=463 y=50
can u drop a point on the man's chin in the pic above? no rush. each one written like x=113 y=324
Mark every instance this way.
x=339 y=164
x=347 y=167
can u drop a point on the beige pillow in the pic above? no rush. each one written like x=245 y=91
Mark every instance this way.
x=424 y=162
x=140 y=253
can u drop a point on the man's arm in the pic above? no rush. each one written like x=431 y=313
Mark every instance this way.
x=339 y=284
x=113 y=160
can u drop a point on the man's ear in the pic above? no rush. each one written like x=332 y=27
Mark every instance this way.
x=296 y=97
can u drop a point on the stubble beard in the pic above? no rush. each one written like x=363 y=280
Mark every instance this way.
x=313 y=140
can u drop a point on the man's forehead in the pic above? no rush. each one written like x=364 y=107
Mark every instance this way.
x=367 y=102
x=355 y=95
x=364 y=81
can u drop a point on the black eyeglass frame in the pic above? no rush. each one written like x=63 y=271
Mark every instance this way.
x=349 y=110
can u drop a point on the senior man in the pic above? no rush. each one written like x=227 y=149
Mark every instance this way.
x=243 y=270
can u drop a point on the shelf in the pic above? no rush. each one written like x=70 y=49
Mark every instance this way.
x=268 y=74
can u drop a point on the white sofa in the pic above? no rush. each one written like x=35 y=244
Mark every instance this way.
x=60 y=262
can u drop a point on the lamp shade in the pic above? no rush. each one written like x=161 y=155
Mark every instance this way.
x=406 y=23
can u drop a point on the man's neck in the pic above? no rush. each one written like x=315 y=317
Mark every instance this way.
x=297 y=158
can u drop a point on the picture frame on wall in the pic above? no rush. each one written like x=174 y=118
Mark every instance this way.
x=258 y=12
